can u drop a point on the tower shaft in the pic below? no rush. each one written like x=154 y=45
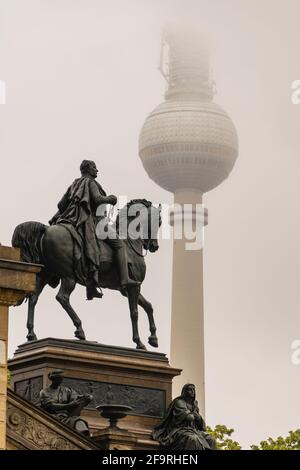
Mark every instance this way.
x=187 y=324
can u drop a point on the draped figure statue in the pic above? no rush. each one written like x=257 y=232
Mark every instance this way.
x=183 y=428
x=64 y=403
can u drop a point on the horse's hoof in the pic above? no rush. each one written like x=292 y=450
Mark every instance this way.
x=31 y=337
x=80 y=335
x=153 y=341
x=141 y=346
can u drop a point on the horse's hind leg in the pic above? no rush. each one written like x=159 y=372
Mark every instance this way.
x=146 y=305
x=63 y=297
x=33 y=298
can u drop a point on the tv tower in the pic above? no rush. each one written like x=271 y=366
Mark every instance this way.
x=188 y=145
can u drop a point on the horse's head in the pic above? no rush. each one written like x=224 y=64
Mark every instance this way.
x=154 y=222
x=139 y=219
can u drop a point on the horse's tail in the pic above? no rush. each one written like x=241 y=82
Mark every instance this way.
x=27 y=237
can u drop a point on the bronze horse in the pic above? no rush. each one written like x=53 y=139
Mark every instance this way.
x=53 y=247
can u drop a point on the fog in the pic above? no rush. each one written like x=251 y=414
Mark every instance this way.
x=81 y=77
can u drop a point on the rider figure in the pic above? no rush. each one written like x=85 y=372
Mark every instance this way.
x=78 y=207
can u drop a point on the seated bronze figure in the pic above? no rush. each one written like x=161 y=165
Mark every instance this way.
x=64 y=403
x=183 y=428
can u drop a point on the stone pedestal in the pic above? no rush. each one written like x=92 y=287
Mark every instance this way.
x=140 y=379
x=116 y=439
x=16 y=280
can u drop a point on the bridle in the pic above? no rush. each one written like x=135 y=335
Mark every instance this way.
x=136 y=252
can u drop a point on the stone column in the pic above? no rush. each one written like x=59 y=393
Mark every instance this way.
x=187 y=323
x=16 y=280
x=3 y=372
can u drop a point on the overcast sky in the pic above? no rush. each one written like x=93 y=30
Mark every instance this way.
x=81 y=78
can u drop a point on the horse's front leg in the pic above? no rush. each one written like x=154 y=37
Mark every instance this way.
x=33 y=298
x=146 y=305
x=133 y=295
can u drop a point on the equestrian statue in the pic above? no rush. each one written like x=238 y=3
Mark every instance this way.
x=82 y=246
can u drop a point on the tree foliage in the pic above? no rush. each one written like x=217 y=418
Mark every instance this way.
x=291 y=442
x=222 y=434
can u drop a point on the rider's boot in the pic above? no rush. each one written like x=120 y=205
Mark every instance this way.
x=92 y=292
x=122 y=263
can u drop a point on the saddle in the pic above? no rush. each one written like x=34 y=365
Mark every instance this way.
x=81 y=263
x=106 y=252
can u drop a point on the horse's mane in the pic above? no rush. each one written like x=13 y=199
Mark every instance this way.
x=124 y=211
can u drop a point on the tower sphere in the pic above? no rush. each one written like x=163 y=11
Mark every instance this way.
x=188 y=142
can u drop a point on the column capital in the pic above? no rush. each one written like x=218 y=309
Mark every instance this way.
x=17 y=279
